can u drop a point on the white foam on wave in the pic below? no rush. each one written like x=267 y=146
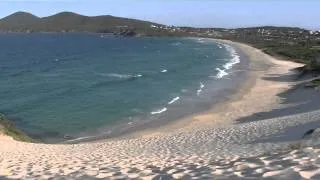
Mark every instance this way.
x=235 y=59
x=201 y=85
x=221 y=73
x=120 y=76
x=220 y=45
x=79 y=139
x=200 y=90
x=164 y=70
x=201 y=40
x=174 y=100
x=159 y=111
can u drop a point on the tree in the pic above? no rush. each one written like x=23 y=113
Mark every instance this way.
x=314 y=63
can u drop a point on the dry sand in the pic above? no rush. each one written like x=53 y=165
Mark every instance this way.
x=204 y=146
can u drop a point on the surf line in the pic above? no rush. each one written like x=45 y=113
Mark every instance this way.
x=160 y=111
x=174 y=100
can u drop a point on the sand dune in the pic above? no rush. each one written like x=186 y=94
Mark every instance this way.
x=205 y=146
x=231 y=151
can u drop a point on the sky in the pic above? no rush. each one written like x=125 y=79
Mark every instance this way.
x=197 y=13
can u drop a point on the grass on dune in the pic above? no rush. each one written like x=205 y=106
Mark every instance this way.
x=8 y=128
x=316 y=82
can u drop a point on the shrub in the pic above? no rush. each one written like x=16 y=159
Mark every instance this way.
x=9 y=129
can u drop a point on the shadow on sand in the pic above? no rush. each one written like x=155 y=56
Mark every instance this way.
x=298 y=99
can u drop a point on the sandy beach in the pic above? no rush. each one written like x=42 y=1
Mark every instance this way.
x=211 y=145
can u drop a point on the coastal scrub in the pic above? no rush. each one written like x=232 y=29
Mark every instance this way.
x=316 y=82
x=8 y=128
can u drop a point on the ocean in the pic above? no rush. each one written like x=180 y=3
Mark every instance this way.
x=58 y=87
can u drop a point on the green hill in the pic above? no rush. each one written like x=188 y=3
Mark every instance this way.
x=19 y=21
x=69 y=22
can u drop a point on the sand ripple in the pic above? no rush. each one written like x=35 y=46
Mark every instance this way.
x=231 y=151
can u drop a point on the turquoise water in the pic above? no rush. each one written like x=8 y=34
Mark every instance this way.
x=57 y=84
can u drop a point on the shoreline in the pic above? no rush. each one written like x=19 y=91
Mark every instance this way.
x=205 y=147
x=238 y=70
x=218 y=112
x=179 y=109
x=238 y=105
x=124 y=130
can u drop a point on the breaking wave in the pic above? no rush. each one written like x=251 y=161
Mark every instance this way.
x=115 y=79
x=123 y=76
x=221 y=73
x=174 y=100
x=159 y=111
x=235 y=59
x=200 y=89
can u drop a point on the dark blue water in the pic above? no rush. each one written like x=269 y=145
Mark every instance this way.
x=57 y=84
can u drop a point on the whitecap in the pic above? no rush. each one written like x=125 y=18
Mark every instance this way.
x=221 y=73
x=164 y=70
x=201 y=40
x=201 y=85
x=174 y=100
x=200 y=90
x=121 y=76
x=159 y=111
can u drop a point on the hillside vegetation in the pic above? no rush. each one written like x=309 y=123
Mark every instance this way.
x=69 y=22
x=289 y=43
x=8 y=128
